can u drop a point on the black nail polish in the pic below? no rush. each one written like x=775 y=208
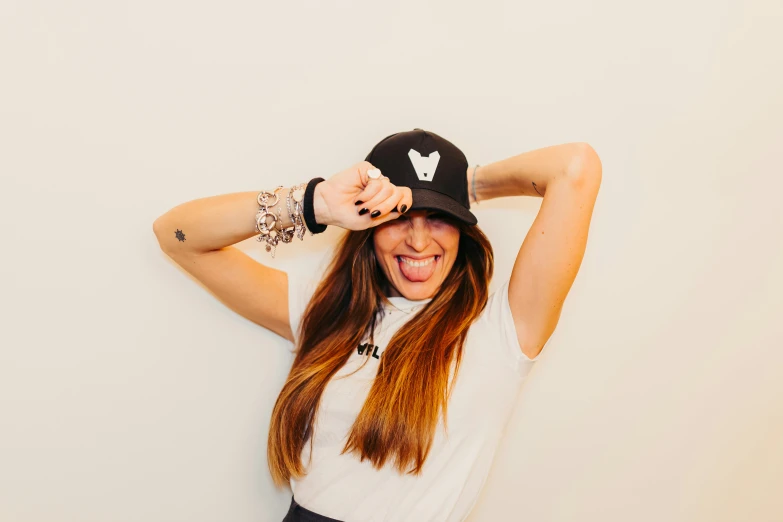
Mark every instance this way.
x=403 y=208
x=358 y=202
x=363 y=211
x=375 y=213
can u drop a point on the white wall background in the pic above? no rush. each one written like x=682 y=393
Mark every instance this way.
x=128 y=392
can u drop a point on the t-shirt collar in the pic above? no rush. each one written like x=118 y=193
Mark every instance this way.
x=406 y=304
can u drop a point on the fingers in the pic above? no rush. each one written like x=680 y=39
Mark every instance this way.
x=373 y=189
x=382 y=209
x=380 y=200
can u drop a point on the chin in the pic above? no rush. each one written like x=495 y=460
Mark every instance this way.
x=418 y=291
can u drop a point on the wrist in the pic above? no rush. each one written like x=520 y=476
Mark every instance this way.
x=320 y=209
x=472 y=195
x=308 y=207
x=475 y=185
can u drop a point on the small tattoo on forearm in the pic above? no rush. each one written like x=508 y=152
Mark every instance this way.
x=180 y=235
x=534 y=186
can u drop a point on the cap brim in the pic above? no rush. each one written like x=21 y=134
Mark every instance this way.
x=429 y=199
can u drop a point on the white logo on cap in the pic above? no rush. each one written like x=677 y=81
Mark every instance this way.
x=425 y=167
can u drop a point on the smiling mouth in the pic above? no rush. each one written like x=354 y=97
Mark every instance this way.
x=417 y=270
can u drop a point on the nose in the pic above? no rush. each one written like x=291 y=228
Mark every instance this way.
x=418 y=233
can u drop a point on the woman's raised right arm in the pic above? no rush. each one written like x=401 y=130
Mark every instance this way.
x=198 y=235
x=211 y=223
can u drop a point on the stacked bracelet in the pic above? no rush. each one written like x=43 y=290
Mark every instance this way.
x=270 y=225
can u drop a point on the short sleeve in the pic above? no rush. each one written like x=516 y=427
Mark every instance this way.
x=498 y=316
x=301 y=287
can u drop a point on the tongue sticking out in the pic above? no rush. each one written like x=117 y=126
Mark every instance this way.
x=417 y=273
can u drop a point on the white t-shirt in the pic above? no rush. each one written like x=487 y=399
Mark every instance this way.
x=491 y=373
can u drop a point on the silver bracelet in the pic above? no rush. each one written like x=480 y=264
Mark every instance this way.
x=267 y=229
x=286 y=234
x=297 y=218
x=473 y=183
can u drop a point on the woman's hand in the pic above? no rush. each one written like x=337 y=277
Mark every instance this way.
x=352 y=200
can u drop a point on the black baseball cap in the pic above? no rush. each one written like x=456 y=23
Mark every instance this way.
x=431 y=166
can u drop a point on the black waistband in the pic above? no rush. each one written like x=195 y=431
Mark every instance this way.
x=297 y=513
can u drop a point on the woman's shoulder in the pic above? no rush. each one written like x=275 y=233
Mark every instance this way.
x=497 y=307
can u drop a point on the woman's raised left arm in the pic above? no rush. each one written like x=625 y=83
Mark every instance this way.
x=568 y=178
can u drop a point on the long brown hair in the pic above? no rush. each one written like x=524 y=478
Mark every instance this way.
x=400 y=415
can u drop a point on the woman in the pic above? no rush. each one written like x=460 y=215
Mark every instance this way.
x=406 y=368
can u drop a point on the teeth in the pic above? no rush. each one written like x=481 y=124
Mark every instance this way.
x=413 y=262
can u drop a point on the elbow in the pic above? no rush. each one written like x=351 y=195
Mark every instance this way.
x=585 y=162
x=584 y=169
x=156 y=226
x=157 y=229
